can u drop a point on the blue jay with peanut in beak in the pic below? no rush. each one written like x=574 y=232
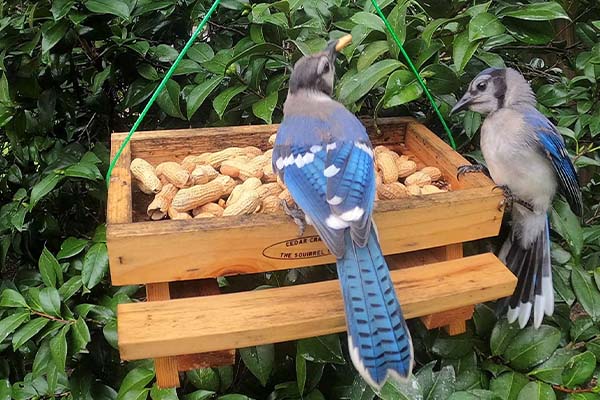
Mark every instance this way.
x=526 y=158
x=324 y=156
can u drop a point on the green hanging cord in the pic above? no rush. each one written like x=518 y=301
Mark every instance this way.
x=160 y=88
x=415 y=72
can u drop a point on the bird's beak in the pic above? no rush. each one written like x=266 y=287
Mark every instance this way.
x=462 y=104
x=334 y=46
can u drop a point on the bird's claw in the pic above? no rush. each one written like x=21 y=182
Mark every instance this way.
x=509 y=199
x=296 y=214
x=470 y=169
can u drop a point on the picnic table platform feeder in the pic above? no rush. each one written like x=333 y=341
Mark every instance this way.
x=186 y=323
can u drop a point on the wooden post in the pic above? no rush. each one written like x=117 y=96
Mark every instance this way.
x=167 y=373
x=454 y=321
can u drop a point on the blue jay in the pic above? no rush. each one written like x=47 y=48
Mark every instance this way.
x=526 y=157
x=324 y=156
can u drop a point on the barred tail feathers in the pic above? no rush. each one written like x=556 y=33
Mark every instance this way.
x=527 y=253
x=378 y=338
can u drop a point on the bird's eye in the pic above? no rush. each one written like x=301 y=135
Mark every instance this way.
x=481 y=86
x=326 y=68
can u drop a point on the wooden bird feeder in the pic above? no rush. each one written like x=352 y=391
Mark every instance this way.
x=185 y=323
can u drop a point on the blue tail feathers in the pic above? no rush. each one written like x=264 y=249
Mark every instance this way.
x=378 y=338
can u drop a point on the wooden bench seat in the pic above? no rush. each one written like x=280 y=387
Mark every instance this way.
x=227 y=321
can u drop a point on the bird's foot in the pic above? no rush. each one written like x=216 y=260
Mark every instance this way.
x=510 y=199
x=296 y=214
x=471 y=169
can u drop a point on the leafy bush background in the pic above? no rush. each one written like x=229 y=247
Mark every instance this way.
x=72 y=72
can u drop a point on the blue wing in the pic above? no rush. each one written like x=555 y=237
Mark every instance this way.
x=327 y=165
x=553 y=146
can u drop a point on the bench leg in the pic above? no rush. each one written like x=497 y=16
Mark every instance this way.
x=167 y=373
x=453 y=321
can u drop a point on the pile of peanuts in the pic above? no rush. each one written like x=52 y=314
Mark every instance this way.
x=240 y=181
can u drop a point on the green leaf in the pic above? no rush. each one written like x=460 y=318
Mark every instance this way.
x=551 y=370
x=508 y=385
x=475 y=394
x=463 y=51
x=594 y=347
x=321 y=349
x=58 y=348
x=199 y=395
x=264 y=108
x=491 y=59
x=361 y=83
x=5 y=91
x=5 y=390
x=441 y=79
x=205 y=378
x=50 y=301
x=301 y=373
x=452 y=346
x=221 y=102
x=163 y=394
x=443 y=384
x=370 y=20
x=579 y=369
x=484 y=25
x=168 y=99
x=12 y=298
x=71 y=247
x=402 y=87
x=397 y=19
x=80 y=335
x=135 y=380
x=430 y=29
x=583 y=396
x=110 y=333
x=60 y=8
x=95 y=265
x=401 y=390
x=201 y=52
x=27 y=331
x=537 y=391
x=261 y=48
x=9 y=324
x=587 y=293
x=52 y=33
x=84 y=170
x=371 y=53
x=532 y=346
x=114 y=7
x=186 y=67
x=502 y=335
x=544 y=11
x=567 y=225
x=43 y=187
x=148 y=71
x=49 y=268
x=259 y=360
x=70 y=287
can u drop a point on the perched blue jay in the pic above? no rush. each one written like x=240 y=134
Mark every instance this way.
x=324 y=156
x=526 y=157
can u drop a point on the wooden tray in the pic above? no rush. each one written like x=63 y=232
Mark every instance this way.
x=165 y=251
x=183 y=330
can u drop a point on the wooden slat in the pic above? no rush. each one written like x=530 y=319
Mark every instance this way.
x=434 y=151
x=212 y=323
x=167 y=373
x=186 y=362
x=163 y=251
x=452 y=320
x=118 y=210
x=172 y=145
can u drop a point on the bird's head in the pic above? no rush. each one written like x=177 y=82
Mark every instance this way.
x=316 y=72
x=486 y=93
x=495 y=88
